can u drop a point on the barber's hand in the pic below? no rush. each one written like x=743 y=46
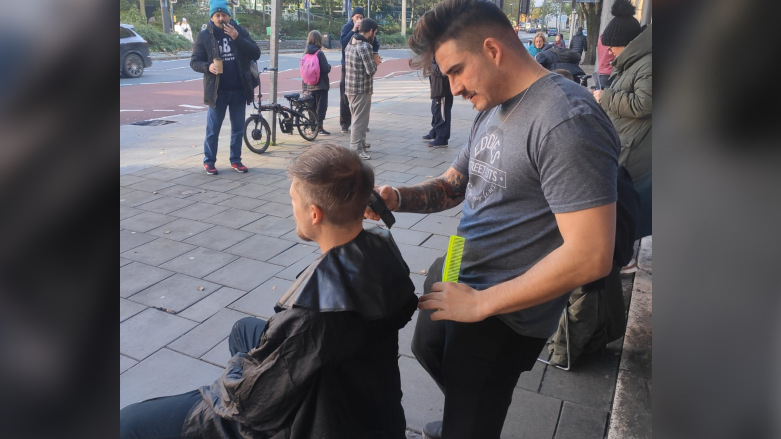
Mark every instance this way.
x=388 y=196
x=213 y=69
x=451 y=301
x=597 y=95
x=230 y=31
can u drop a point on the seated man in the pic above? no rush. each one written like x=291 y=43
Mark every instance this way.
x=326 y=365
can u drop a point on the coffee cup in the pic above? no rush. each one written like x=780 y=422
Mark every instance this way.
x=218 y=63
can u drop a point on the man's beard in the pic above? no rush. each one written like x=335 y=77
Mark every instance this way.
x=302 y=236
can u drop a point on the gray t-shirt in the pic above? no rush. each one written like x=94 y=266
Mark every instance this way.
x=557 y=152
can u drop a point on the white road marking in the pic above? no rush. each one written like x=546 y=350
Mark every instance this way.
x=122 y=111
x=163 y=110
x=191 y=106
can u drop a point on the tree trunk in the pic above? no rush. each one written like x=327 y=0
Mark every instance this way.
x=330 y=11
x=142 y=8
x=592 y=13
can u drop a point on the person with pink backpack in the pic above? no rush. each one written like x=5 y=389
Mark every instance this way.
x=314 y=70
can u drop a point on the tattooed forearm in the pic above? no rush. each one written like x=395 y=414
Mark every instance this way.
x=435 y=195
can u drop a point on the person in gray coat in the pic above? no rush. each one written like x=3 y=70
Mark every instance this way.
x=578 y=42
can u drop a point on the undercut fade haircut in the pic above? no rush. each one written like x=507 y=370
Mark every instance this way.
x=469 y=22
x=334 y=179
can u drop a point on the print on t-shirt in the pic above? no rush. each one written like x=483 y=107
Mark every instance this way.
x=486 y=176
x=225 y=50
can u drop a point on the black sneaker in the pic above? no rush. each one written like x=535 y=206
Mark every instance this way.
x=429 y=137
x=433 y=430
x=345 y=130
x=323 y=132
x=366 y=146
x=210 y=169
x=436 y=143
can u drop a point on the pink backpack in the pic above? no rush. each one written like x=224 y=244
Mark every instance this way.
x=310 y=68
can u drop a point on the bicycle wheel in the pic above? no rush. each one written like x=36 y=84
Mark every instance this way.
x=307 y=126
x=257 y=134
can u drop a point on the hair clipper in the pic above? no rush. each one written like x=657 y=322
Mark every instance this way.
x=378 y=206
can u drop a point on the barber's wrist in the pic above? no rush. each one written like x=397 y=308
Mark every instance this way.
x=398 y=199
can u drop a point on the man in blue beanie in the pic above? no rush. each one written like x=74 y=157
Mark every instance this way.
x=226 y=87
x=348 y=30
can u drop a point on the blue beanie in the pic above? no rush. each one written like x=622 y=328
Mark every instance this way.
x=219 y=6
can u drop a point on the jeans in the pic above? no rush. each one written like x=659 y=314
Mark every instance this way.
x=440 y=117
x=476 y=365
x=345 y=117
x=360 y=107
x=163 y=418
x=236 y=102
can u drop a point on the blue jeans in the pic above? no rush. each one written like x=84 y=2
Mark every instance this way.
x=236 y=102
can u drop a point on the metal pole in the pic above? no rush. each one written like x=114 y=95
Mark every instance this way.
x=165 y=16
x=276 y=12
x=307 y=16
x=368 y=8
x=404 y=17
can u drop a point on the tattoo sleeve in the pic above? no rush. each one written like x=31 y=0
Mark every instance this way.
x=446 y=191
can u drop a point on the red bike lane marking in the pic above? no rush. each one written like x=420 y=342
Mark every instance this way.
x=154 y=101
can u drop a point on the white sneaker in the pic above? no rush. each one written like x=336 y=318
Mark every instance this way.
x=630 y=268
x=364 y=156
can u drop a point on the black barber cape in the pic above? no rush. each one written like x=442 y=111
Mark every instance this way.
x=327 y=363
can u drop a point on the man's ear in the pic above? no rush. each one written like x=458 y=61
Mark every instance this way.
x=493 y=51
x=316 y=214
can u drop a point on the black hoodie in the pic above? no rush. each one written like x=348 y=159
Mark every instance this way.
x=325 y=68
x=327 y=363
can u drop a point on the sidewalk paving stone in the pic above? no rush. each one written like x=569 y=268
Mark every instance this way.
x=136 y=276
x=632 y=408
x=210 y=197
x=180 y=191
x=127 y=212
x=167 y=174
x=531 y=416
x=194 y=179
x=264 y=179
x=125 y=363
x=136 y=198
x=175 y=293
x=165 y=205
x=124 y=190
x=293 y=236
x=158 y=251
x=282 y=184
x=418 y=258
x=180 y=229
x=208 y=334
x=150 y=170
x=165 y=373
x=234 y=218
x=199 y=262
x=581 y=422
x=144 y=222
x=127 y=180
x=411 y=237
x=123 y=262
x=531 y=380
x=251 y=190
x=150 y=185
x=211 y=304
x=278 y=196
x=438 y=242
x=218 y=238
x=397 y=177
x=291 y=255
x=636 y=356
x=221 y=185
x=260 y=248
x=244 y=274
x=260 y=301
x=406 y=220
x=425 y=171
x=130 y=240
x=423 y=402
x=245 y=203
x=439 y=225
x=271 y=226
x=275 y=209
x=391 y=166
x=218 y=355
x=292 y=271
x=591 y=382
x=128 y=309
x=143 y=334
x=199 y=211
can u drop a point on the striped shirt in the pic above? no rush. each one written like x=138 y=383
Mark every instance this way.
x=359 y=67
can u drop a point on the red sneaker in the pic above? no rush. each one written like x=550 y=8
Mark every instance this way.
x=239 y=167
x=210 y=169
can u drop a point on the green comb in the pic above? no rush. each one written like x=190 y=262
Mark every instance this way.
x=452 y=267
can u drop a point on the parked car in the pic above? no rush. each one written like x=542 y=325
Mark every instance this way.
x=552 y=31
x=133 y=52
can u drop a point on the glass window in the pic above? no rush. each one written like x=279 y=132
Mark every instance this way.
x=125 y=33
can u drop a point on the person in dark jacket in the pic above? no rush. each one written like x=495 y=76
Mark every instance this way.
x=314 y=44
x=628 y=101
x=326 y=365
x=578 y=42
x=348 y=30
x=223 y=39
x=441 y=106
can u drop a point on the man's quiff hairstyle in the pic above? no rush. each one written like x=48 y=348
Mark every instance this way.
x=334 y=179
x=469 y=22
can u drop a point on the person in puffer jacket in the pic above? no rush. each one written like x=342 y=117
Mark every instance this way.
x=314 y=44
